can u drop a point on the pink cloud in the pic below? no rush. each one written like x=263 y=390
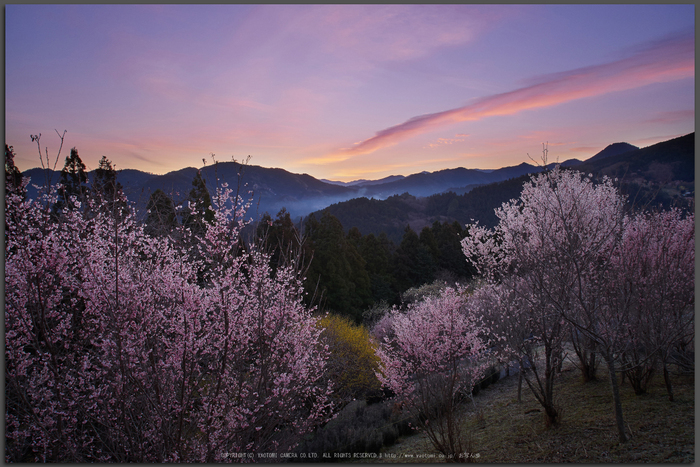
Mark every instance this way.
x=661 y=61
x=644 y=142
x=447 y=141
x=673 y=116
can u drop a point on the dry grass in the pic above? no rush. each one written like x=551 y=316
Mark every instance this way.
x=504 y=431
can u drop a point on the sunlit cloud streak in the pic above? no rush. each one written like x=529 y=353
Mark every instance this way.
x=673 y=116
x=447 y=141
x=643 y=142
x=664 y=60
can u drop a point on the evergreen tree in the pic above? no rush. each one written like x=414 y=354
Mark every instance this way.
x=106 y=191
x=161 y=218
x=280 y=238
x=427 y=239
x=337 y=271
x=13 y=177
x=448 y=238
x=14 y=191
x=377 y=255
x=413 y=263
x=355 y=237
x=73 y=183
x=202 y=215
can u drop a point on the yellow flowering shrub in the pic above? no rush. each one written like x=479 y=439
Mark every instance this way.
x=352 y=362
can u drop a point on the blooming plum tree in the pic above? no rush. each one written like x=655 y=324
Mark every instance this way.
x=558 y=239
x=432 y=359
x=653 y=277
x=116 y=351
x=527 y=330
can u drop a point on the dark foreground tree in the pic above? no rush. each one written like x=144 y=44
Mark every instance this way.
x=161 y=218
x=106 y=192
x=199 y=215
x=73 y=184
x=13 y=176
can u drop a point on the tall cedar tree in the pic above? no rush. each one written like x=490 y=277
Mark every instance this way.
x=161 y=218
x=13 y=177
x=377 y=254
x=73 y=183
x=450 y=257
x=202 y=215
x=13 y=185
x=413 y=263
x=280 y=238
x=337 y=269
x=106 y=191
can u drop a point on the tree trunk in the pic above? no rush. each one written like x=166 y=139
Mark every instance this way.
x=586 y=356
x=616 y=398
x=591 y=368
x=667 y=380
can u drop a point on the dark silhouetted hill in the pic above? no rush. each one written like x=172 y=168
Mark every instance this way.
x=662 y=172
x=613 y=150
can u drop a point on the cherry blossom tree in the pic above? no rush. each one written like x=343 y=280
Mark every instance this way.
x=653 y=277
x=524 y=329
x=433 y=358
x=42 y=352
x=558 y=239
x=120 y=347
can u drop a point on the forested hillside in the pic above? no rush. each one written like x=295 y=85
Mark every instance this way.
x=351 y=272
x=662 y=174
x=173 y=337
x=394 y=214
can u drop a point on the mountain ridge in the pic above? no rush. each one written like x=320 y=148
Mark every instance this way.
x=661 y=174
x=613 y=149
x=274 y=188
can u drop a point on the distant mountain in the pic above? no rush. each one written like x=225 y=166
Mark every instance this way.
x=507 y=173
x=393 y=214
x=660 y=174
x=614 y=149
x=571 y=163
x=363 y=182
x=661 y=163
x=511 y=172
x=429 y=183
x=273 y=189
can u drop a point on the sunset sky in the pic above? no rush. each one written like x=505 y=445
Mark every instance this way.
x=345 y=92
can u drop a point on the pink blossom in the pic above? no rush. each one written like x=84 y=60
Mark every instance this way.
x=123 y=347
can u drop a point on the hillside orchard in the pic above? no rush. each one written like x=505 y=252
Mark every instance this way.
x=169 y=341
x=572 y=262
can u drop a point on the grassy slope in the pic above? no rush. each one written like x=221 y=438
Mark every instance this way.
x=661 y=431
